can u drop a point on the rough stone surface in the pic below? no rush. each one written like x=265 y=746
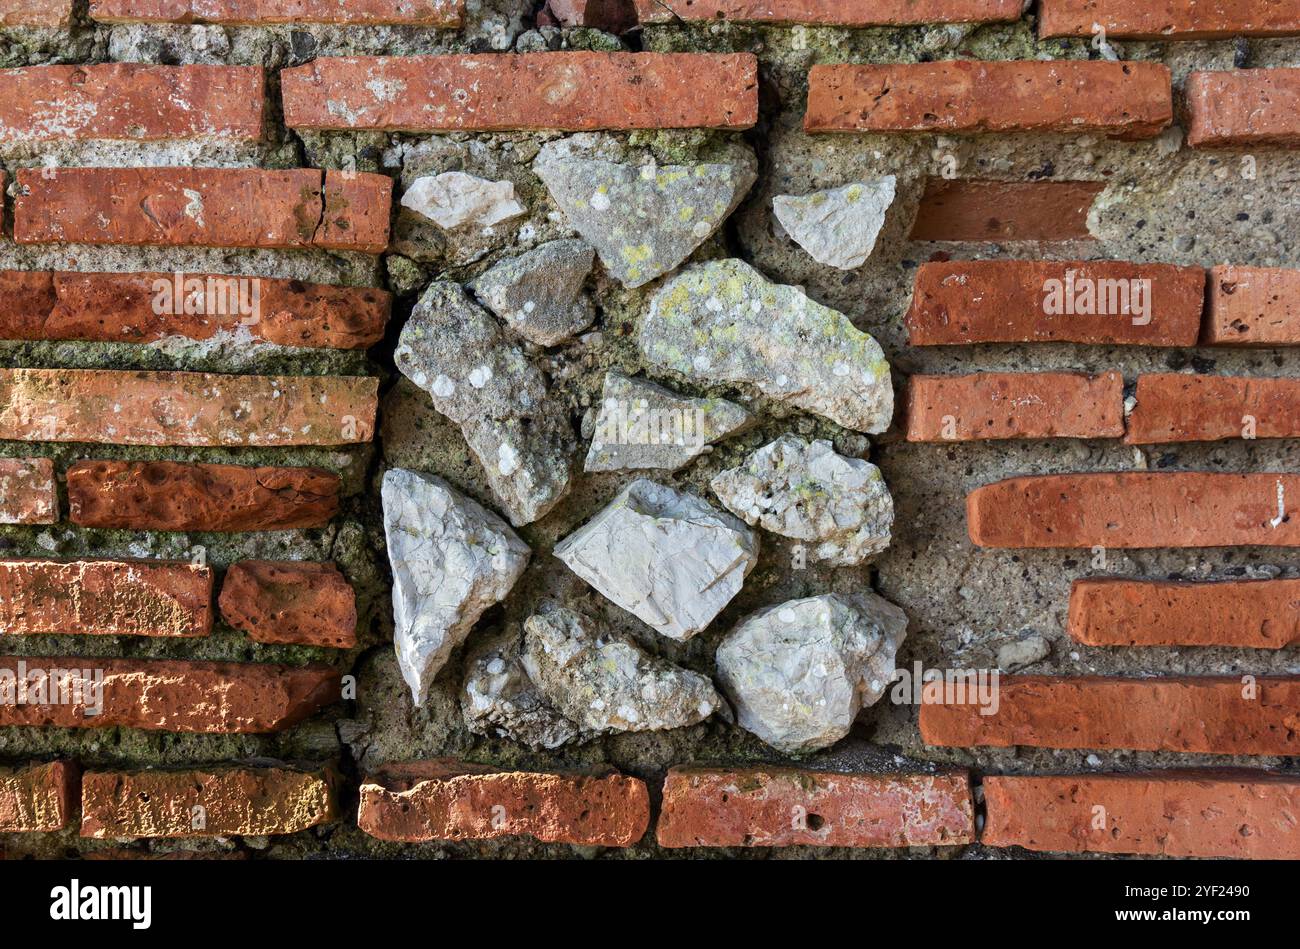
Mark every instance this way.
x=37 y=798
x=539 y=294
x=665 y=556
x=27 y=491
x=725 y=322
x=838 y=227
x=306 y=604
x=499 y=699
x=1023 y=652
x=454 y=199
x=799 y=673
x=451 y=560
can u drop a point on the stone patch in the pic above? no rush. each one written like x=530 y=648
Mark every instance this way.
x=454 y=199
x=838 y=227
x=539 y=294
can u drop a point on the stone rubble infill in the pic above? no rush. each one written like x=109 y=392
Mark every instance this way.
x=499 y=700
x=454 y=199
x=669 y=558
x=643 y=219
x=810 y=493
x=458 y=353
x=723 y=321
x=645 y=426
x=604 y=682
x=799 y=673
x=451 y=560
x=838 y=227
x=539 y=294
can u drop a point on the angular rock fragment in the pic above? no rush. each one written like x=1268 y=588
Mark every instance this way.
x=669 y=558
x=451 y=560
x=455 y=199
x=644 y=219
x=642 y=425
x=838 y=227
x=799 y=673
x=723 y=321
x=454 y=350
x=810 y=493
x=539 y=294
x=498 y=697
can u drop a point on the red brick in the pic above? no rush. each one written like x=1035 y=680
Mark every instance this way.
x=1194 y=715
x=996 y=405
x=54 y=13
x=27 y=492
x=1128 y=100
x=1240 y=814
x=129 y=407
x=452 y=800
x=37 y=798
x=1169 y=19
x=972 y=210
x=577 y=91
x=306 y=604
x=1252 y=614
x=439 y=13
x=834 y=12
x=612 y=16
x=1136 y=510
x=1253 y=306
x=1244 y=108
x=1004 y=301
x=129 y=101
x=1173 y=407
x=163 y=694
x=782 y=807
x=204 y=207
x=105 y=598
x=221 y=801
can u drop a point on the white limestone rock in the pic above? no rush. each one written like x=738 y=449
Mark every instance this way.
x=838 y=227
x=454 y=199
x=539 y=294
x=498 y=699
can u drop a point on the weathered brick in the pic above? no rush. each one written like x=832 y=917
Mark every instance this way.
x=1007 y=301
x=1253 y=306
x=573 y=91
x=221 y=801
x=37 y=798
x=1252 y=614
x=452 y=800
x=995 y=405
x=307 y=604
x=1244 y=108
x=833 y=12
x=1136 y=510
x=974 y=210
x=1127 y=100
x=437 y=13
x=54 y=13
x=174 y=496
x=1241 y=814
x=204 y=207
x=1173 y=407
x=128 y=407
x=1169 y=19
x=27 y=492
x=1240 y=715
x=161 y=694
x=105 y=598
x=781 y=807
x=131 y=101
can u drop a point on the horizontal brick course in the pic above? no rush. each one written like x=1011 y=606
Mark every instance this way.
x=1128 y=100
x=305 y=604
x=105 y=598
x=574 y=91
x=833 y=12
x=1196 y=715
x=174 y=496
x=438 y=13
x=38 y=798
x=1000 y=405
x=204 y=207
x=1169 y=19
x=1136 y=510
x=1253 y=306
x=1244 y=108
x=781 y=807
x=35 y=12
x=449 y=800
x=1253 y=614
x=963 y=209
x=128 y=407
x=1176 y=407
x=27 y=491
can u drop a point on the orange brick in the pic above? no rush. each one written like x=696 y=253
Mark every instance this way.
x=998 y=405
x=37 y=798
x=1253 y=306
x=27 y=492
x=578 y=91
x=1244 y=108
x=834 y=12
x=304 y=604
x=1173 y=407
x=53 y=13
x=973 y=210
x=1169 y=19
x=437 y=13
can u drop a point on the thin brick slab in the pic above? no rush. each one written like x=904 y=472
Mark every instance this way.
x=1174 y=407
x=1253 y=306
x=304 y=604
x=981 y=211
x=1001 y=405
x=44 y=13
x=856 y=13
x=37 y=798
x=428 y=13
x=1244 y=108
x=27 y=491
x=1169 y=19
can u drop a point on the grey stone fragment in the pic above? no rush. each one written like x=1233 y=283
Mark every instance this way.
x=451 y=560
x=643 y=425
x=799 y=673
x=499 y=699
x=1023 y=652
x=669 y=558
x=723 y=321
x=605 y=682
x=643 y=219
x=459 y=354
x=811 y=493
x=838 y=227
x=539 y=294
x=454 y=199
